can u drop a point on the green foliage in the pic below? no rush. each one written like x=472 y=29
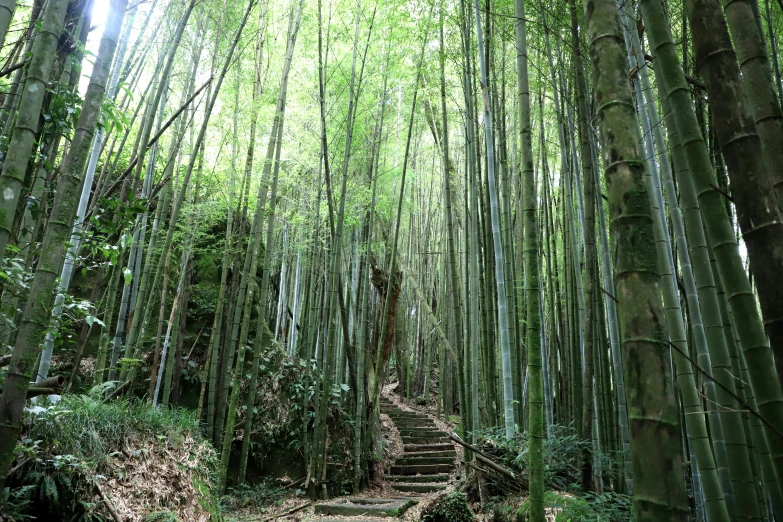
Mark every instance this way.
x=63 y=112
x=18 y=502
x=108 y=234
x=610 y=506
x=74 y=311
x=12 y=272
x=15 y=280
x=111 y=114
x=563 y=453
x=258 y=496
x=452 y=507
x=285 y=395
x=69 y=447
x=203 y=299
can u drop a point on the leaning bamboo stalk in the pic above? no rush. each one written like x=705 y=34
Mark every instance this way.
x=720 y=233
x=26 y=126
x=137 y=328
x=35 y=318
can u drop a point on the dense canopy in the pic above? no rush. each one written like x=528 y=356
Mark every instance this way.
x=547 y=224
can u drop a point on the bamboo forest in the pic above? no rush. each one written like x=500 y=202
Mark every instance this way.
x=391 y=261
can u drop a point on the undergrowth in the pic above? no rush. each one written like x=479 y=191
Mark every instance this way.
x=259 y=496
x=563 y=454
x=284 y=405
x=451 y=507
x=73 y=452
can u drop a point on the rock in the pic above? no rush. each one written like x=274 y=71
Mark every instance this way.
x=564 y=507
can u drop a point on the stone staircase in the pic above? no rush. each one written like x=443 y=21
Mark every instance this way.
x=429 y=453
x=424 y=467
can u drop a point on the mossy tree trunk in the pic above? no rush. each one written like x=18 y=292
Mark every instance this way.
x=659 y=490
x=532 y=296
x=35 y=319
x=28 y=113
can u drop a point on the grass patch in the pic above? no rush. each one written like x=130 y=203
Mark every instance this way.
x=79 y=454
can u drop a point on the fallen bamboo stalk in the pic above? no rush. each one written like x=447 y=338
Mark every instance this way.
x=37 y=391
x=289 y=512
x=456 y=438
x=58 y=381
x=50 y=386
x=116 y=391
x=474 y=467
x=292 y=484
x=485 y=459
x=498 y=468
x=107 y=502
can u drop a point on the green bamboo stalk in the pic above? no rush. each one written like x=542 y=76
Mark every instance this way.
x=137 y=327
x=35 y=318
x=209 y=375
x=590 y=251
x=364 y=301
x=263 y=295
x=699 y=439
x=28 y=113
x=532 y=305
x=762 y=96
x=500 y=278
x=744 y=152
x=761 y=366
x=144 y=140
x=656 y=452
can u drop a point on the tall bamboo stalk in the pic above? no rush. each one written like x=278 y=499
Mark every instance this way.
x=656 y=450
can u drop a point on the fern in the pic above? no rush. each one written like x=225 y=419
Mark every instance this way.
x=49 y=490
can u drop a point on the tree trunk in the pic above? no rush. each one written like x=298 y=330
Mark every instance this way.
x=37 y=310
x=652 y=409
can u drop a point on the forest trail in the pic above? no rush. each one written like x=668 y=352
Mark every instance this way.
x=429 y=453
x=423 y=468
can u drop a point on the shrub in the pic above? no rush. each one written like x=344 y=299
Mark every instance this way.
x=563 y=453
x=452 y=507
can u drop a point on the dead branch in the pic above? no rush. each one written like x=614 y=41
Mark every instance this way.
x=109 y=505
x=289 y=512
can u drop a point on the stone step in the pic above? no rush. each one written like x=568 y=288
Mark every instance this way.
x=370 y=507
x=420 y=432
x=411 y=420
x=404 y=415
x=421 y=469
x=450 y=454
x=427 y=433
x=424 y=460
x=414 y=423
x=421 y=425
x=440 y=477
x=419 y=488
x=425 y=440
x=429 y=447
